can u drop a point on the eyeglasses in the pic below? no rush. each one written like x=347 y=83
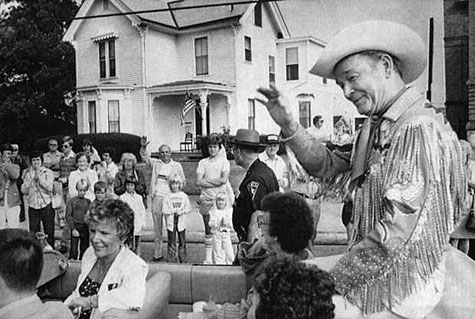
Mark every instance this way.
x=261 y=222
x=53 y=144
x=14 y=149
x=65 y=145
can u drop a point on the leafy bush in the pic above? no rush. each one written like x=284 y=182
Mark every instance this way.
x=121 y=142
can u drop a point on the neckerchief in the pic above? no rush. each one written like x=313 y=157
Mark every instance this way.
x=364 y=144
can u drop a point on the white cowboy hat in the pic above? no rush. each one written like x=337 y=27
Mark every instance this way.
x=390 y=37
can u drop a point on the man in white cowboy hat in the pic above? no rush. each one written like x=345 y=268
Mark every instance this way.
x=405 y=174
x=259 y=181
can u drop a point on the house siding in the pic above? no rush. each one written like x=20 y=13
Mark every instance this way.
x=251 y=75
x=161 y=61
x=220 y=56
x=168 y=58
x=128 y=49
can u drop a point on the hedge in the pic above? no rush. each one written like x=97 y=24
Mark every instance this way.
x=121 y=142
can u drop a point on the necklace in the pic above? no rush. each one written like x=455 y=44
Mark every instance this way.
x=102 y=268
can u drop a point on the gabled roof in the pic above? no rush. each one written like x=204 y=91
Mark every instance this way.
x=185 y=18
x=177 y=19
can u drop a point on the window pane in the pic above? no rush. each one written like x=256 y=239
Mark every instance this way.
x=111 y=49
x=292 y=72
x=247 y=42
x=201 y=56
x=272 y=79
x=112 y=58
x=258 y=15
x=114 y=116
x=271 y=64
x=292 y=63
x=292 y=56
x=252 y=114
x=92 y=116
x=102 y=60
x=247 y=49
x=304 y=113
x=271 y=69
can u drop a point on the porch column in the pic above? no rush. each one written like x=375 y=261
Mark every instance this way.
x=227 y=107
x=203 y=107
x=82 y=108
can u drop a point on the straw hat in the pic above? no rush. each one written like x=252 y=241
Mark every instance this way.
x=390 y=37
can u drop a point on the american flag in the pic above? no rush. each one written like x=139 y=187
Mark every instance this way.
x=188 y=105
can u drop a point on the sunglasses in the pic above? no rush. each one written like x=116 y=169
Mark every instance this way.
x=14 y=149
x=65 y=145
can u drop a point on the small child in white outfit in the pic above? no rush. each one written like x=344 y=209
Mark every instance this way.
x=175 y=205
x=221 y=225
x=135 y=202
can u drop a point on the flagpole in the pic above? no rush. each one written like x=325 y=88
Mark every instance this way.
x=430 y=58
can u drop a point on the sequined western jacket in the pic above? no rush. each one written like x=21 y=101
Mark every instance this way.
x=405 y=207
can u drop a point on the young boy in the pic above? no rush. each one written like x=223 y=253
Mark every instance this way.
x=175 y=205
x=76 y=209
x=135 y=202
x=221 y=223
x=100 y=191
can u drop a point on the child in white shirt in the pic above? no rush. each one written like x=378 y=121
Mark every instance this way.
x=221 y=224
x=135 y=202
x=175 y=205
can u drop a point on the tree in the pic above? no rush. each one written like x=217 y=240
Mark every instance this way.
x=37 y=70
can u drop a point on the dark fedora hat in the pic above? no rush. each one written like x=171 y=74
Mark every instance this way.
x=247 y=137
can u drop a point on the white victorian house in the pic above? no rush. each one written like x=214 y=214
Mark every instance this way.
x=136 y=65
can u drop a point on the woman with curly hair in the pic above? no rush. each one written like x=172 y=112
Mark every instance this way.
x=128 y=162
x=286 y=226
x=290 y=289
x=112 y=276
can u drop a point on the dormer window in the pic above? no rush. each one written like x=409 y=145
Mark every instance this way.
x=105 y=4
